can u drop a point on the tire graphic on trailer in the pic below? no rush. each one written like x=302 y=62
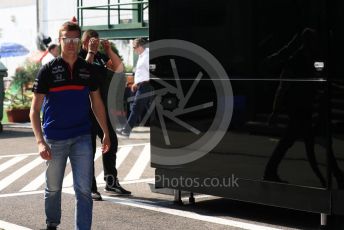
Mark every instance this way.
x=170 y=102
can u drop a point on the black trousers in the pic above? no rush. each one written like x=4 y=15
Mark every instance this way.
x=109 y=159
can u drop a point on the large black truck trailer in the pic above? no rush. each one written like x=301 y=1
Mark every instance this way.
x=249 y=100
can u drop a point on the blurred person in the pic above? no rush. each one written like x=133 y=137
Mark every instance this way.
x=140 y=88
x=53 y=52
x=109 y=60
x=68 y=85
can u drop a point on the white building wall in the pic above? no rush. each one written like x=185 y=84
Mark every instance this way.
x=54 y=14
x=19 y=24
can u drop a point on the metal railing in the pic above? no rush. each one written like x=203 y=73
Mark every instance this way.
x=137 y=7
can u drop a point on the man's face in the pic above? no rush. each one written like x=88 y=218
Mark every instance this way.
x=70 y=42
x=136 y=48
x=92 y=43
x=55 y=51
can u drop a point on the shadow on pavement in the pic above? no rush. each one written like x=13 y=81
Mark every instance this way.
x=15 y=133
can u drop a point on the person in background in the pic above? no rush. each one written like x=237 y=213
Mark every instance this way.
x=53 y=52
x=140 y=88
x=90 y=45
x=68 y=88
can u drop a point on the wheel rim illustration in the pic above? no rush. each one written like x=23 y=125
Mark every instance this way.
x=166 y=99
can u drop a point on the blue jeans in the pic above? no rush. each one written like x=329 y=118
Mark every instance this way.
x=139 y=105
x=79 y=151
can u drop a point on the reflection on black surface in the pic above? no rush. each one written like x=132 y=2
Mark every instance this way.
x=298 y=98
x=264 y=45
x=336 y=128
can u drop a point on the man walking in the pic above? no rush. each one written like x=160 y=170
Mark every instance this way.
x=66 y=85
x=90 y=45
x=140 y=88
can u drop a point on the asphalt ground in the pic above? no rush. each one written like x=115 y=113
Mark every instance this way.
x=143 y=210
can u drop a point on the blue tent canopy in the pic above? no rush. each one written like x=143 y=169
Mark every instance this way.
x=10 y=49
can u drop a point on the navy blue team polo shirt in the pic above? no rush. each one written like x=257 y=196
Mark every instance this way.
x=67 y=105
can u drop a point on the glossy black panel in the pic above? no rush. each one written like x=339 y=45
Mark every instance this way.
x=336 y=34
x=251 y=39
x=274 y=92
x=336 y=143
x=274 y=118
x=289 y=147
x=336 y=88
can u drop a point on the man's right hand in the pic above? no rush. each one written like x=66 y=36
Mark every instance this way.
x=44 y=150
x=134 y=88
